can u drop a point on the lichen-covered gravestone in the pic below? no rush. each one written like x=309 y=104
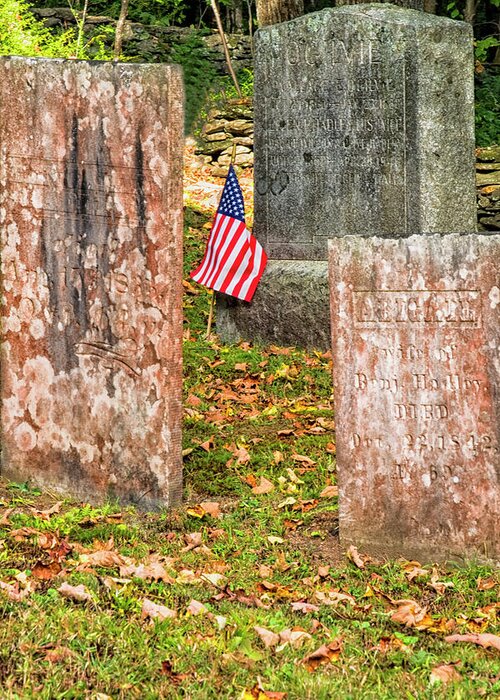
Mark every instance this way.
x=416 y=367
x=91 y=234
x=364 y=121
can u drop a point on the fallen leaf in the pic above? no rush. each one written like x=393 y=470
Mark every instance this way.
x=12 y=591
x=333 y=598
x=444 y=673
x=275 y=540
x=215 y=579
x=329 y=492
x=212 y=508
x=303 y=459
x=264 y=486
x=265 y=571
x=105 y=558
x=58 y=653
x=5 y=517
x=411 y=614
x=278 y=456
x=354 y=556
x=78 y=593
x=486 y=584
x=193 y=540
x=196 y=608
x=323 y=571
x=295 y=636
x=268 y=638
x=305 y=608
x=290 y=501
x=152 y=571
x=413 y=569
x=324 y=654
x=153 y=610
x=439 y=586
x=46 y=571
x=485 y=640
x=168 y=670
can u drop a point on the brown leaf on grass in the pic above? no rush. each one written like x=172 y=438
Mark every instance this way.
x=265 y=571
x=333 y=598
x=211 y=508
x=355 y=557
x=439 y=586
x=208 y=444
x=268 y=638
x=154 y=611
x=45 y=514
x=58 y=653
x=303 y=607
x=103 y=557
x=278 y=456
x=264 y=486
x=444 y=673
x=46 y=571
x=413 y=569
x=215 y=579
x=295 y=636
x=411 y=614
x=486 y=584
x=258 y=693
x=387 y=644
x=78 y=593
x=325 y=654
x=196 y=608
x=150 y=571
x=329 y=492
x=12 y=591
x=167 y=669
x=485 y=640
x=4 y=520
x=303 y=459
x=192 y=540
x=323 y=571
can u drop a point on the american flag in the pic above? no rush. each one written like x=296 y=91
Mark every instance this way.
x=234 y=260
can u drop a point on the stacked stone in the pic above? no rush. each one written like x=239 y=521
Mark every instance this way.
x=228 y=125
x=154 y=43
x=488 y=188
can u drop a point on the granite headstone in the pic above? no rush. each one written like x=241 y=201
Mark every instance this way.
x=363 y=121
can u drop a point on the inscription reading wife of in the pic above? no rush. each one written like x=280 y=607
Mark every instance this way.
x=416 y=375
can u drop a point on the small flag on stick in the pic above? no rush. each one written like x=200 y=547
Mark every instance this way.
x=234 y=260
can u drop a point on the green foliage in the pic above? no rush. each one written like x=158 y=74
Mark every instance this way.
x=487 y=109
x=22 y=35
x=199 y=73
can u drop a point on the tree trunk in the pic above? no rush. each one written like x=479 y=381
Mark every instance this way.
x=120 y=25
x=276 y=11
x=430 y=6
x=470 y=11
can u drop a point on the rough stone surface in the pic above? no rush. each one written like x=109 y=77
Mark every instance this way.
x=364 y=120
x=416 y=339
x=303 y=320
x=91 y=232
x=410 y=4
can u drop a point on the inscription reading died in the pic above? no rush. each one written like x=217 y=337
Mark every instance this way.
x=416 y=380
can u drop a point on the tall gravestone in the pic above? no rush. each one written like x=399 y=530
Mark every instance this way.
x=91 y=233
x=416 y=367
x=363 y=121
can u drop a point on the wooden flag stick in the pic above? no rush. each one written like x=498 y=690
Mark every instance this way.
x=212 y=300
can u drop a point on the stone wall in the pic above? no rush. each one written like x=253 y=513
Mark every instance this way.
x=154 y=43
x=488 y=188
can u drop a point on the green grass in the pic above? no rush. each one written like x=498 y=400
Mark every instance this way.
x=250 y=412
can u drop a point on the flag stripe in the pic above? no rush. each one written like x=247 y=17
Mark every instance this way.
x=234 y=260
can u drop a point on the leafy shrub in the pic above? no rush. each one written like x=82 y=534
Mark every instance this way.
x=487 y=108
x=22 y=35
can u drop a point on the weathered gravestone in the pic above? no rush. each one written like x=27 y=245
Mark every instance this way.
x=91 y=232
x=363 y=121
x=416 y=366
